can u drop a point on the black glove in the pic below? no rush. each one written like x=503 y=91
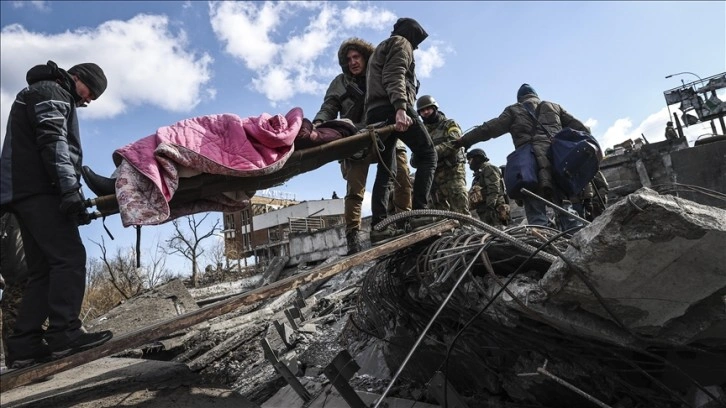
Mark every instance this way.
x=83 y=218
x=71 y=204
x=461 y=143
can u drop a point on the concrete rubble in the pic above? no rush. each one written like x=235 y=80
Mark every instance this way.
x=635 y=318
x=656 y=261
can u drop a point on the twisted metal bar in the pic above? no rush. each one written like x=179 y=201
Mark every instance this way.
x=524 y=247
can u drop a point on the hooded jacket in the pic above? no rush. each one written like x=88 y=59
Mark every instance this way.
x=391 y=73
x=42 y=149
x=346 y=93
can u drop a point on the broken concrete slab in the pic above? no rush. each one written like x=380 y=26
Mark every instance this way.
x=161 y=303
x=651 y=257
x=111 y=382
x=277 y=264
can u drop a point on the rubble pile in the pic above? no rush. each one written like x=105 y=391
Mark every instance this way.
x=629 y=313
x=632 y=315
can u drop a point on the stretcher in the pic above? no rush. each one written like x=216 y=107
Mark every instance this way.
x=300 y=161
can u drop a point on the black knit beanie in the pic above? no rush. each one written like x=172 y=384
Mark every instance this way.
x=92 y=76
x=525 y=89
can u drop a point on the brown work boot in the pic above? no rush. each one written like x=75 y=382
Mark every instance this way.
x=353 y=240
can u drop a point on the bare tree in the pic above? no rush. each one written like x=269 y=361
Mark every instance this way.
x=101 y=295
x=154 y=270
x=216 y=260
x=188 y=243
x=122 y=271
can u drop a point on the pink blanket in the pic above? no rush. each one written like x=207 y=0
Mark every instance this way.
x=148 y=169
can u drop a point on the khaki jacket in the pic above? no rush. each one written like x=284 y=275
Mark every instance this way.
x=346 y=93
x=517 y=121
x=391 y=78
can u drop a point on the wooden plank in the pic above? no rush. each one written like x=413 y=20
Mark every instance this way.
x=150 y=333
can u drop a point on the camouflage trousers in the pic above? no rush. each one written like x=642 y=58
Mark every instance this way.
x=355 y=172
x=9 y=306
x=489 y=216
x=449 y=189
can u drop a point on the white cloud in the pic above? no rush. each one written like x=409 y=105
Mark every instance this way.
x=591 y=123
x=144 y=61
x=275 y=83
x=245 y=29
x=372 y=17
x=291 y=46
x=653 y=127
x=427 y=60
x=39 y=5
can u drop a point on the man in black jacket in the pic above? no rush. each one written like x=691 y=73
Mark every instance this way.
x=40 y=183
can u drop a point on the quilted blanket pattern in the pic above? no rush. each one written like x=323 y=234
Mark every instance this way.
x=225 y=144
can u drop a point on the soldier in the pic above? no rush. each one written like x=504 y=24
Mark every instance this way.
x=487 y=196
x=670 y=131
x=345 y=96
x=448 y=191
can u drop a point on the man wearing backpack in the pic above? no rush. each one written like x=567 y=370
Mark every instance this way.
x=520 y=120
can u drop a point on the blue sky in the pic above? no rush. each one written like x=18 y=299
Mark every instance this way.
x=605 y=62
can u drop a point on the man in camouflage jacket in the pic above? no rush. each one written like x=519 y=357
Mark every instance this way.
x=487 y=196
x=345 y=96
x=448 y=191
x=518 y=120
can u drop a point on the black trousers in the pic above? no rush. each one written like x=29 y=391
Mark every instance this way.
x=417 y=139
x=56 y=284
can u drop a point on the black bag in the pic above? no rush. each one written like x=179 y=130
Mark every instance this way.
x=521 y=171
x=575 y=157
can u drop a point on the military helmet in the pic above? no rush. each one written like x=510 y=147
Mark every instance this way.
x=426 y=101
x=476 y=152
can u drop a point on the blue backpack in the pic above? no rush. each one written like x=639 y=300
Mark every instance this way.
x=575 y=157
x=521 y=172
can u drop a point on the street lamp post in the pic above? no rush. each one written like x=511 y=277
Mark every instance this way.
x=684 y=72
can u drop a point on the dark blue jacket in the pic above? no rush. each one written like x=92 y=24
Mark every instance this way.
x=42 y=149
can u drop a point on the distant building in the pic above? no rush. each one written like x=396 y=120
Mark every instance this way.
x=263 y=231
x=670 y=168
